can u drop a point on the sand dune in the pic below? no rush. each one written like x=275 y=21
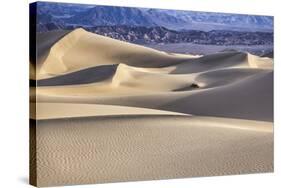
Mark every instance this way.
x=238 y=88
x=250 y=99
x=81 y=49
x=114 y=111
x=65 y=110
x=127 y=148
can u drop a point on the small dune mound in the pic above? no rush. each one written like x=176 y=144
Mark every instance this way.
x=259 y=62
x=223 y=60
x=130 y=76
x=226 y=76
x=123 y=75
x=147 y=79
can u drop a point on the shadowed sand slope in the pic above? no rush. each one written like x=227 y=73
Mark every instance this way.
x=90 y=75
x=111 y=111
x=45 y=41
x=236 y=93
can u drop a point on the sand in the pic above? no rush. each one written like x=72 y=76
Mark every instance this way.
x=140 y=147
x=112 y=111
x=47 y=111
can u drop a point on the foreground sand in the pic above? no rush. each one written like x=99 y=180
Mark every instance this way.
x=112 y=111
x=140 y=147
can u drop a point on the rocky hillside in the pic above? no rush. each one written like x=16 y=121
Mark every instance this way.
x=163 y=35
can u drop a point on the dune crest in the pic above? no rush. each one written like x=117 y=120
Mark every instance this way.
x=260 y=62
x=68 y=110
x=81 y=49
x=57 y=53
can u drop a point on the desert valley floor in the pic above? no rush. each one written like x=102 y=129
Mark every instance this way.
x=109 y=111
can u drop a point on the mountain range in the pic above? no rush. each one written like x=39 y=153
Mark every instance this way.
x=62 y=15
x=145 y=35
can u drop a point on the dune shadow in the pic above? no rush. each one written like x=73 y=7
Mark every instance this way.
x=45 y=41
x=210 y=62
x=188 y=88
x=89 y=75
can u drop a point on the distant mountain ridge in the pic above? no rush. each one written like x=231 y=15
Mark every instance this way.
x=109 y=16
x=223 y=19
x=64 y=15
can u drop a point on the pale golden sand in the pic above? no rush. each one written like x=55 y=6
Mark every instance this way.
x=112 y=111
x=144 y=147
x=70 y=110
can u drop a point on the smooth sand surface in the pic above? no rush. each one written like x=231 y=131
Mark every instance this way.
x=112 y=111
x=67 y=110
x=140 y=147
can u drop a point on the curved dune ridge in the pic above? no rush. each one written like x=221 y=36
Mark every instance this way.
x=114 y=111
x=81 y=49
x=64 y=110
